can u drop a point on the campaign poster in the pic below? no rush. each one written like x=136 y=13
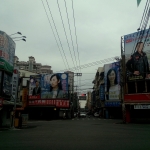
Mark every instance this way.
x=7 y=52
x=137 y=55
x=7 y=85
x=112 y=81
x=34 y=86
x=54 y=86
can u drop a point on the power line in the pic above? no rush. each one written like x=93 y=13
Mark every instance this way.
x=53 y=34
x=70 y=31
x=76 y=38
x=57 y=33
x=65 y=32
x=92 y=64
x=143 y=26
x=71 y=35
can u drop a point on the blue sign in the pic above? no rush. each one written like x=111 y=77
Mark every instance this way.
x=102 y=92
x=113 y=104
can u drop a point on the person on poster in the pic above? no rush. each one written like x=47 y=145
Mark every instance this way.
x=138 y=64
x=37 y=89
x=55 y=88
x=112 y=85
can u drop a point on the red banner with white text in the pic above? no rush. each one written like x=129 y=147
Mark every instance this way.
x=56 y=103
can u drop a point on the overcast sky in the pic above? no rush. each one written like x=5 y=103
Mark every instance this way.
x=99 y=27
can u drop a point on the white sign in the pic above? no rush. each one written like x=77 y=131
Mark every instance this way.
x=141 y=106
x=15 y=79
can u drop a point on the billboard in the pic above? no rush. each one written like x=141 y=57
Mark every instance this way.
x=137 y=54
x=50 y=86
x=54 y=86
x=112 y=80
x=33 y=92
x=7 y=52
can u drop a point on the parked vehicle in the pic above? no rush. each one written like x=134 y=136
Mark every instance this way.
x=82 y=114
x=96 y=114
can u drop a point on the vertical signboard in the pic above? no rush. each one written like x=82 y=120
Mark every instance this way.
x=7 y=87
x=15 y=79
x=7 y=52
x=102 y=92
x=137 y=56
x=112 y=80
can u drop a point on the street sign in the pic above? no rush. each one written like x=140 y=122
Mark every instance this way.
x=78 y=74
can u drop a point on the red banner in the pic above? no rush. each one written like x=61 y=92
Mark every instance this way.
x=56 y=103
x=1 y=102
x=137 y=98
x=34 y=97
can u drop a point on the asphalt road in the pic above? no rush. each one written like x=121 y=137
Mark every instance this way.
x=77 y=134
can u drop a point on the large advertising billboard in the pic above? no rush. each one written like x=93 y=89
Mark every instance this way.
x=49 y=86
x=7 y=52
x=112 y=80
x=49 y=89
x=137 y=54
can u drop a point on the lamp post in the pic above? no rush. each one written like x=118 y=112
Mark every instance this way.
x=20 y=40
x=16 y=33
x=14 y=109
x=18 y=37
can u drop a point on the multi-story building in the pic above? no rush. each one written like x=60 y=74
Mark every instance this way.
x=32 y=66
x=96 y=82
x=88 y=103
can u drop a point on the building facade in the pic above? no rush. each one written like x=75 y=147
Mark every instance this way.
x=32 y=66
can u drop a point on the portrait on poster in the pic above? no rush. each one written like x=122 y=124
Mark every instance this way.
x=112 y=80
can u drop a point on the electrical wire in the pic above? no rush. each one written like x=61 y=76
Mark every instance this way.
x=71 y=36
x=76 y=38
x=57 y=34
x=92 y=64
x=54 y=34
x=65 y=32
x=138 y=34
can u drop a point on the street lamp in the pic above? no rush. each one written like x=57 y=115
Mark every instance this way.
x=20 y=40
x=16 y=33
x=18 y=37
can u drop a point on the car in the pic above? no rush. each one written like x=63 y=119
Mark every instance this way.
x=82 y=114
